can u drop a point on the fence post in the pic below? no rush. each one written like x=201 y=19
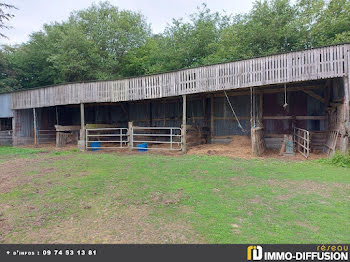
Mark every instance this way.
x=131 y=135
x=121 y=137
x=171 y=138
x=86 y=139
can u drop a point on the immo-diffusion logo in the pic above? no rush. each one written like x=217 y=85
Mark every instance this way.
x=332 y=253
x=254 y=253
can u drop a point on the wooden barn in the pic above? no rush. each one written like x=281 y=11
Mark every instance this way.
x=298 y=97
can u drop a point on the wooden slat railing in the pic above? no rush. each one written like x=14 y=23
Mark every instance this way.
x=326 y=62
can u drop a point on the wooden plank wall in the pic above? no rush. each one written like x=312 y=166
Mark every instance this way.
x=327 y=62
x=6 y=138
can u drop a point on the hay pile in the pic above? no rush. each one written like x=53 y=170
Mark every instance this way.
x=239 y=147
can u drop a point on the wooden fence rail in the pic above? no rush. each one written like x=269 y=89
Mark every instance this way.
x=326 y=62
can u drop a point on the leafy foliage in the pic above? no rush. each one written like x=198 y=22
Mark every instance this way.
x=338 y=160
x=4 y=17
x=103 y=42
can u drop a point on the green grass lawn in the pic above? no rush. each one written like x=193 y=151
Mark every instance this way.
x=74 y=197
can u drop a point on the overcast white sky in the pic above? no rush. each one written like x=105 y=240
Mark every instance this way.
x=32 y=14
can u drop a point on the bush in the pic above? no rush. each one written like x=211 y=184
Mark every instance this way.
x=338 y=160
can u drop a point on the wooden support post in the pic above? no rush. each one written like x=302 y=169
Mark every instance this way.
x=212 y=116
x=184 y=145
x=260 y=113
x=205 y=119
x=35 y=128
x=124 y=111
x=17 y=127
x=81 y=142
x=57 y=123
x=345 y=122
x=327 y=97
x=131 y=135
x=204 y=109
x=14 y=129
x=150 y=113
x=82 y=122
x=164 y=116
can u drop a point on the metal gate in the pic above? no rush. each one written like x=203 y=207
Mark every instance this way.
x=106 y=138
x=302 y=141
x=157 y=138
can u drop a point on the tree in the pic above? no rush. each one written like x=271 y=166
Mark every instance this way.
x=188 y=44
x=4 y=17
x=146 y=59
x=103 y=42
x=114 y=33
x=333 y=24
x=8 y=75
x=270 y=27
x=91 y=45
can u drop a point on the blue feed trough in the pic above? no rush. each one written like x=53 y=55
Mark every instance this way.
x=95 y=146
x=142 y=147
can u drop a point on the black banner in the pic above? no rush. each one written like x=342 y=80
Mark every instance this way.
x=258 y=252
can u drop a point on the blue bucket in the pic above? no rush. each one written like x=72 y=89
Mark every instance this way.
x=95 y=146
x=142 y=147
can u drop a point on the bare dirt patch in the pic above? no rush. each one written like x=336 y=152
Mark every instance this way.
x=290 y=187
x=307 y=226
x=130 y=225
x=168 y=198
x=305 y=187
x=19 y=171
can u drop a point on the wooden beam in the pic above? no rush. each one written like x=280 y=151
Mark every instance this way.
x=267 y=90
x=314 y=95
x=35 y=128
x=67 y=128
x=296 y=117
x=82 y=122
x=124 y=110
